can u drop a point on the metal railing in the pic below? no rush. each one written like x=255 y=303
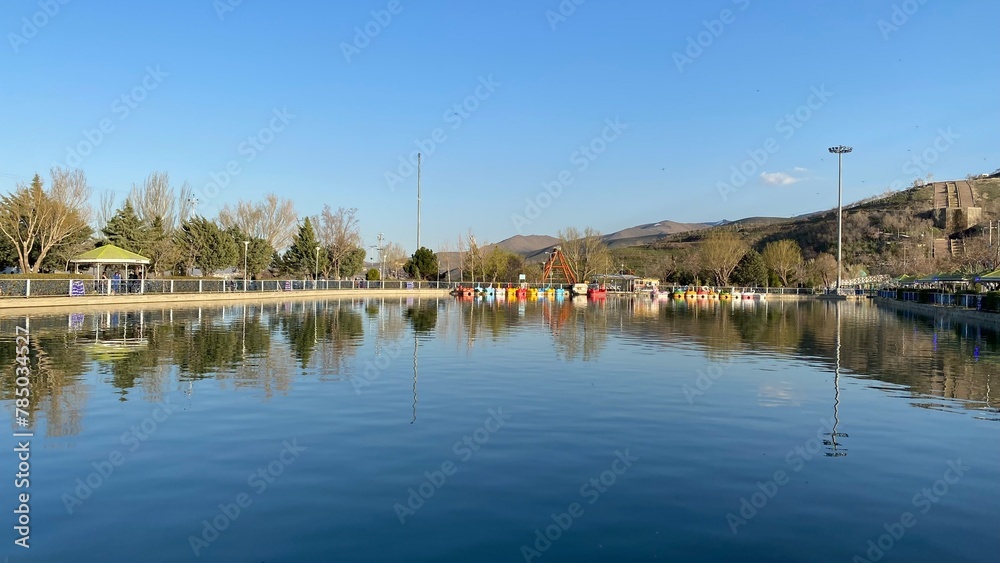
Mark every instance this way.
x=745 y=289
x=959 y=300
x=91 y=287
x=17 y=287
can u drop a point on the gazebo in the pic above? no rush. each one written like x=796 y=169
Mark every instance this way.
x=952 y=279
x=111 y=255
x=992 y=279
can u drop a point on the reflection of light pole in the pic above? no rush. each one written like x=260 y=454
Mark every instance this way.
x=414 y=377
x=246 y=250
x=832 y=442
x=840 y=151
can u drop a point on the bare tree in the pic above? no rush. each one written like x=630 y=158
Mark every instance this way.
x=155 y=198
x=720 y=253
x=977 y=255
x=273 y=220
x=21 y=220
x=460 y=249
x=783 y=257
x=339 y=232
x=279 y=222
x=824 y=268
x=586 y=252
x=473 y=256
x=393 y=256
x=186 y=203
x=446 y=257
x=32 y=216
x=106 y=209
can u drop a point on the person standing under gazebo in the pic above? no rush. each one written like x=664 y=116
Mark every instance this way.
x=116 y=281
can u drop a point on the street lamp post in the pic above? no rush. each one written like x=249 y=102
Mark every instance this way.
x=381 y=262
x=840 y=151
x=316 y=277
x=246 y=249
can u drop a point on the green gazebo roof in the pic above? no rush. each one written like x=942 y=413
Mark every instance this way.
x=110 y=254
x=946 y=277
x=993 y=276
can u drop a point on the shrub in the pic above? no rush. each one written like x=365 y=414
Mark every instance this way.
x=991 y=301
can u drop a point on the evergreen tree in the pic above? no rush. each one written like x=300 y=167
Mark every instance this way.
x=125 y=230
x=259 y=253
x=423 y=264
x=301 y=258
x=353 y=263
x=161 y=250
x=751 y=270
x=206 y=246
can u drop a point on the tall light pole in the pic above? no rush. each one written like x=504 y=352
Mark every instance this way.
x=246 y=249
x=840 y=151
x=418 y=201
x=316 y=278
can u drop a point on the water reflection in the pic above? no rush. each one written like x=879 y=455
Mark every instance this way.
x=145 y=353
x=833 y=448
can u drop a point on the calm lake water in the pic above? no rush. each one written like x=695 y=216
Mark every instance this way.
x=440 y=430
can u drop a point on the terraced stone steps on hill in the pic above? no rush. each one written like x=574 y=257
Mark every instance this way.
x=940 y=196
x=952 y=194
x=957 y=247
x=941 y=247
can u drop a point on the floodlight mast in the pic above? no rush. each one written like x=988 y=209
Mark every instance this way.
x=840 y=151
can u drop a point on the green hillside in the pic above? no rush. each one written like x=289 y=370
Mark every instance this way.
x=893 y=233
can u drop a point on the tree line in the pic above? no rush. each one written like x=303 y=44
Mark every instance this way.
x=45 y=225
x=725 y=257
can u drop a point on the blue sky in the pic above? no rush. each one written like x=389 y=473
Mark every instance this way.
x=693 y=91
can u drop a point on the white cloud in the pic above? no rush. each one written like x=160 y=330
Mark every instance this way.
x=800 y=170
x=778 y=178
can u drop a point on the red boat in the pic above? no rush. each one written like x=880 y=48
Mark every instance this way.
x=597 y=292
x=463 y=292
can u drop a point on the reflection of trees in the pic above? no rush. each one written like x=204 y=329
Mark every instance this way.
x=201 y=348
x=57 y=363
x=578 y=330
x=423 y=317
x=236 y=346
x=496 y=318
x=333 y=328
x=943 y=361
x=343 y=335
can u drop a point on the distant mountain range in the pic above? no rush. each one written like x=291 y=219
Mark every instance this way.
x=535 y=246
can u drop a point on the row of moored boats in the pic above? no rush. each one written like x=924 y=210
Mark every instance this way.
x=705 y=292
x=593 y=291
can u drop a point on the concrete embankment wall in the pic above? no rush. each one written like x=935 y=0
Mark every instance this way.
x=944 y=313
x=45 y=305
